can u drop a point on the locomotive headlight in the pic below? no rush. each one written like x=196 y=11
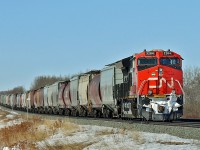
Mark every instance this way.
x=150 y=92
x=173 y=92
x=160 y=71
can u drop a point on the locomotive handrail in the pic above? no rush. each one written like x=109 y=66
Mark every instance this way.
x=141 y=86
x=181 y=90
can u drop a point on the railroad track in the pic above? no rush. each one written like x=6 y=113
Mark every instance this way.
x=191 y=123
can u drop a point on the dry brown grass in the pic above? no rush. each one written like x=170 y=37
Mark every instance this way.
x=191 y=110
x=172 y=143
x=104 y=132
x=137 y=137
x=75 y=146
x=3 y=114
x=26 y=134
x=3 y=117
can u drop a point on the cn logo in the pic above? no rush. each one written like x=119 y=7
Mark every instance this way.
x=161 y=83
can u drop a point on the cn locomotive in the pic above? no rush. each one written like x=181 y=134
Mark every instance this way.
x=146 y=85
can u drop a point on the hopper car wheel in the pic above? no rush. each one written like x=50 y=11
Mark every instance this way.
x=42 y=111
x=108 y=114
x=68 y=112
x=84 y=113
x=61 y=112
x=105 y=114
x=65 y=112
x=46 y=111
x=77 y=114
x=50 y=111
x=100 y=114
x=95 y=114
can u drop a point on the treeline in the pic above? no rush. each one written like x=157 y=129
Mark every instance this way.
x=192 y=92
x=38 y=82
x=19 y=89
x=42 y=81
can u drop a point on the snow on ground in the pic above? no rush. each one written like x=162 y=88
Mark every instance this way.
x=11 y=120
x=112 y=138
x=107 y=138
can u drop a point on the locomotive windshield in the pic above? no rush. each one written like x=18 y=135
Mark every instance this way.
x=144 y=63
x=147 y=61
x=172 y=62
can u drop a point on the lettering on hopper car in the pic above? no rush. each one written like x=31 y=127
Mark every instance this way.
x=161 y=82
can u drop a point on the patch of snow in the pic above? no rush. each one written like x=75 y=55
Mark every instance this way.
x=10 y=116
x=109 y=138
x=116 y=139
x=13 y=112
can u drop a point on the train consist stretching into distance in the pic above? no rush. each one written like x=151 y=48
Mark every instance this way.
x=147 y=85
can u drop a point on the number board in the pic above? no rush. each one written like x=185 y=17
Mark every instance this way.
x=150 y=53
x=167 y=53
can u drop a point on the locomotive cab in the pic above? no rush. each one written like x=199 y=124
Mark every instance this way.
x=159 y=85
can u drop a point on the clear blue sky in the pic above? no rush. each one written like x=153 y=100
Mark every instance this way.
x=49 y=37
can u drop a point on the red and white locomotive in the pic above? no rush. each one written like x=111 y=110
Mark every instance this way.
x=147 y=85
x=159 y=85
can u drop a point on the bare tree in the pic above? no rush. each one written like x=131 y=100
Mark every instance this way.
x=18 y=89
x=42 y=81
x=192 y=91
